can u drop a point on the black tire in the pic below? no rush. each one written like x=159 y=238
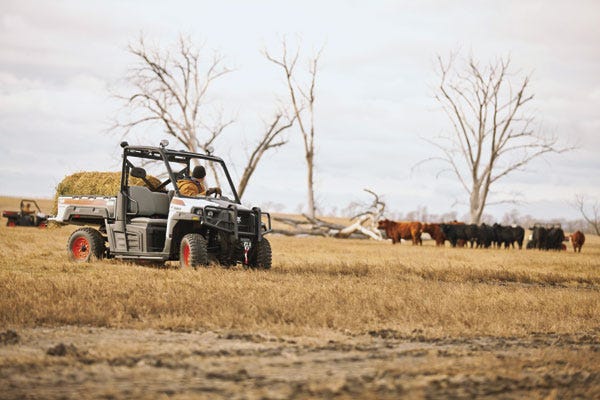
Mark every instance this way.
x=86 y=244
x=193 y=251
x=262 y=257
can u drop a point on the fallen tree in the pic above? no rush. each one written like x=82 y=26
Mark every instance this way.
x=363 y=226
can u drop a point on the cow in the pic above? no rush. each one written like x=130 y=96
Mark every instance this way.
x=539 y=238
x=472 y=232
x=402 y=230
x=555 y=238
x=455 y=232
x=577 y=239
x=508 y=235
x=436 y=233
x=518 y=235
x=486 y=236
x=547 y=238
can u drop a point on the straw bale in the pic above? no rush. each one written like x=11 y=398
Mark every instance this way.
x=96 y=183
x=155 y=182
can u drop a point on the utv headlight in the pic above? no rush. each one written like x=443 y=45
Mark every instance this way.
x=211 y=214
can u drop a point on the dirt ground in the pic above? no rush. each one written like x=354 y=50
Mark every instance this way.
x=78 y=363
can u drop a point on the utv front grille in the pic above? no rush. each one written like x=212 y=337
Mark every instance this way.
x=231 y=220
x=237 y=221
x=246 y=222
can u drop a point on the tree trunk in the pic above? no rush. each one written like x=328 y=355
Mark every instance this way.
x=475 y=205
x=311 y=192
x=244 y=182
x=306 y=103
x=211 y=165
x=249 y=170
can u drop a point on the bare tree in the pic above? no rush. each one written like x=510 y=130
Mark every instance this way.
x=270 y=140
x=592 y=219
x=302 y=98
x=170 y=87
x=493 y=134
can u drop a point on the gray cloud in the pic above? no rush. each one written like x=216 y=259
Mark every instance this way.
x=374 y=90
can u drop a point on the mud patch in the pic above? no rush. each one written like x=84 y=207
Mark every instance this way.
x=9 y=337
x=62 y=350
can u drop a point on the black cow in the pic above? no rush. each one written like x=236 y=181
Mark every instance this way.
x=456 y=232
x=503 y=236
x=472 y=232
x=547 y=239
x=508 y=235
x=555 y=238
x=518 y=235
x=486 y=236
x=539 y=236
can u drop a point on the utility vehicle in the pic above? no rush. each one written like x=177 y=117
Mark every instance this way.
x=155 y=223
x=29 y=214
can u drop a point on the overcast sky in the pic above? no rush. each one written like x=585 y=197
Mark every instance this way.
x=374 y=106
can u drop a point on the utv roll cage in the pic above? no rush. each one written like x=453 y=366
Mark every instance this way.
x=171 y=156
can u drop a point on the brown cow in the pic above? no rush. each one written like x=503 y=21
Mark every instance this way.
x=578 y=239
x=436 y=233
x=401 y=230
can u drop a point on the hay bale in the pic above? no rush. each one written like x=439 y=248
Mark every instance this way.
x=95 y=184
x=155 y=182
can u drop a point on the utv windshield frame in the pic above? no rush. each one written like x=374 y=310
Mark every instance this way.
x=168 y=157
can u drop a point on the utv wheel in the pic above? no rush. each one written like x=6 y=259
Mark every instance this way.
x=193 y=251
x=262 y=255
x=85 y=244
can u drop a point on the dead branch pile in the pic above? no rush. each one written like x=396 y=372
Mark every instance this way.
x=364 y=224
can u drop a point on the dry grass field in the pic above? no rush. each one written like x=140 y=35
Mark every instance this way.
x=332 y=319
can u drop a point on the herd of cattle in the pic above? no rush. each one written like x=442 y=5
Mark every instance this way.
x=549 y=237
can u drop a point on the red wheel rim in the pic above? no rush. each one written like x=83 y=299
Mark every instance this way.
x=12 y=224
x=80 y=248
x=186 y=255
x=43 y=225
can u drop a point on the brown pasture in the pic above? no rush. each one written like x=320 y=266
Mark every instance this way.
x=495 y=313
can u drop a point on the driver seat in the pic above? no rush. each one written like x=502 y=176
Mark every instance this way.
x=148 y=207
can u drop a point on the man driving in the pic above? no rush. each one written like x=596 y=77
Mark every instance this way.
x=195 y=185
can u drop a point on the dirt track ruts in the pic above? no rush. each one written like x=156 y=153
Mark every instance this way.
x=76 y=362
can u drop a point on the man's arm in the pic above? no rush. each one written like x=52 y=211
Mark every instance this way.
x=216 y=190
